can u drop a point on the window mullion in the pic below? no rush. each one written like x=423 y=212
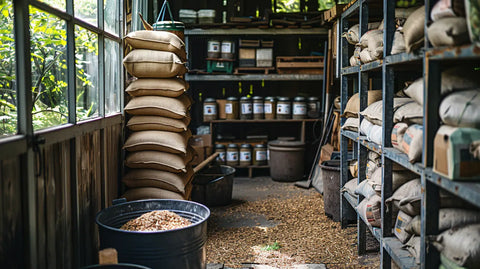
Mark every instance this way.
x=72 y=101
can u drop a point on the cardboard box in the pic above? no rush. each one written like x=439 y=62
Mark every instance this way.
x=333 y=13
x=452 y=157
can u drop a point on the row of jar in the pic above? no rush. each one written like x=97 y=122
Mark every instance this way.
x=259 y=108
x=245 y=155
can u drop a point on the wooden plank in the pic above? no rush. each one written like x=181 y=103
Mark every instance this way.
x=50 y=171
x=41 y=218
x=11 y=219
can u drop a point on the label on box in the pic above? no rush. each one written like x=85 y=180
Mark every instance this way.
x=257 y=108
x=221 y=157
x=261 y=155
x=228 y=108
x=247 y=108
x=209 y=110
x=268 y=108
x=283 y=109
x=226 y=47
x=245 y=156
x=299 y=109
x=232 y=156
x=213 y=46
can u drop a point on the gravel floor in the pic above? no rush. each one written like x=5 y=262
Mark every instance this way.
x=280 y=225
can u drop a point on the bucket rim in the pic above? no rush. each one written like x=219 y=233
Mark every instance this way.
x=151 y=232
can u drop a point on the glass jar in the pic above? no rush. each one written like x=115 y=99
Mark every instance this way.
x=245 y=155
x=313 y=107
x=299 y=108
x=269 y=108
x=209 y=110
x=221 y=149
x=213 y=50
x=283 y=108
x=231 y=108
x=260 y=155
x=258 y=107
x=232 y=155
x=246 y=109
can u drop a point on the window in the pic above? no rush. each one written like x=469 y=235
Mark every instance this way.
x=8 y=94
x=71 y=81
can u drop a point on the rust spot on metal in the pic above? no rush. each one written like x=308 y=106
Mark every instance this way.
x=456 y=188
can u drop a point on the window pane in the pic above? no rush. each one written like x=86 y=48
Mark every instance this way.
x=86 y=10
x=86 y=63
x=58 y=4
x=8 y=95
x=288 y=6
x=111 y=16
x=49 y=69
x=113 y=89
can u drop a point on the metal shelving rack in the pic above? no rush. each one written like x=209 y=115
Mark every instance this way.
x=429 y=61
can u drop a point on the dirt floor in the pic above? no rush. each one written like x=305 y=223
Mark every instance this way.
x=280 y=225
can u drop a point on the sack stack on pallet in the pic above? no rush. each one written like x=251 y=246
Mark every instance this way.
x=158 y=152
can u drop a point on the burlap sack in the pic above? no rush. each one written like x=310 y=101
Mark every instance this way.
x=374 y=111
x=447 y=219
x=158 y=140
x=448 y=32
x=475 y=149
x=461 y=109
x=447 y=8
x=164 y=161
x=370 y=209
x=375 y=134
x=151 y=193
x=412 y=143
x=375 y=36
x=413 y=30
x=398 y=45
x=353 y=105
x=366 y=127
x=409 y=113
x=168 y=87
x=350 y=187
x=366 y=56
x=145 y=123
x=157 y=40
x=353 y=34
x=365 y=189
x=415 y=91
x=411 y=191
x=461 y=245
x=398 y=179
x=176 y=108
x=398 y=131
x=175 y=182
x=403 y=219
x=413 y=246
x=143 y=63
x=351 y=124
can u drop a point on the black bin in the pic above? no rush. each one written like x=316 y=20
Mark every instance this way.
x=330 y=173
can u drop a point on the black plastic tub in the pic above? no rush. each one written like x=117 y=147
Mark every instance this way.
x=213 y=186
x=178 y=248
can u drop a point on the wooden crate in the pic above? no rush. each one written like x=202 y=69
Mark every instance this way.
x=333 y=13
x=249 y=43
x=300 y=64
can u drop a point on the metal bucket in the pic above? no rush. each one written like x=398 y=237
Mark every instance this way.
x=178 y=248
x=214 y=186
x=286 y=160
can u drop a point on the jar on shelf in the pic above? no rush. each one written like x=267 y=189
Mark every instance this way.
x=260 y=154
x=299 y=108
x=222 y=153
x=269 y=108
x=213 y=50
x=258 y=107
x=245 y=155
x=227 y=50
x=313 y=107
x=209 y=109
x=283 y=108
x=231 y=108
x=246 y=108
x=232 y=155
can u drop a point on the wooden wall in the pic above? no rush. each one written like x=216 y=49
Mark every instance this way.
x=75 y=179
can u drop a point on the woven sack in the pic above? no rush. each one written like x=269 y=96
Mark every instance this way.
x=409 y=113
x=157 y=40
x=365 y=189
x=397 y=135
x=353 y=34
x=412 y=190
x=143 y=63
x=447 y=218
x=351 y=124
x=164 y=161
x=353 y=105
x=375 y=134
x=461 y=245
x=169 y=87
x=353 y=168
x=374 y=111
x=145 y=123
x=151 y=193
x=375 y=157
x=412 y=143
x=448 y=32
x=413 y=247
x=158 y=140
x=365 y=127
x=403 y=219
x=175 y=182
x=461 y=109
x=413 y=30
x=176 y=108
x=354 y=61
x=350 y=187
x=447 y=9
x=370 y=209
x=398 y=45
x=398 y=179
x=366 y=56
x=472 y=8
x=475 y=149
x=371 y=34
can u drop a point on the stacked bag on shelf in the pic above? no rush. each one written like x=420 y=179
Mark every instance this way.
x=158 y=152
x=352 y=109
x=449 y=27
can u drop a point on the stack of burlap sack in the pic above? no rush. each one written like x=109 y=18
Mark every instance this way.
x=158 y=155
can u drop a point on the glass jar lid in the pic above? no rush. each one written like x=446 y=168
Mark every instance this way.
x=245 y=98
x=283 y=99
x=299 y=99
x=232 y=145
x=257 y=98
x=246 y=146
x=209 y=100
x=270 y=99
x=219 y=146
x=232 y=98
x=313 y=98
